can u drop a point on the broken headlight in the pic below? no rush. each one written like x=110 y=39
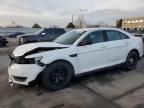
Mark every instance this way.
x=37 y=61
x=21 y=60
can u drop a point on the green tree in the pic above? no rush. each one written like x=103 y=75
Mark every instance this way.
x=36 y=26
x=70 y=25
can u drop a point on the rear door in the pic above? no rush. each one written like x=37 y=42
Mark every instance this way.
x=116 y=47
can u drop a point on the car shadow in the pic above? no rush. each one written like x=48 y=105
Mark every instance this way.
x=102 y=77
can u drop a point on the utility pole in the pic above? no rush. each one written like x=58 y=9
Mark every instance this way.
x=72 y=18
x=83 y=11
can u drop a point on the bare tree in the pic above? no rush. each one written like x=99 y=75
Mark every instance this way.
x=79 y=22
x=119 y=23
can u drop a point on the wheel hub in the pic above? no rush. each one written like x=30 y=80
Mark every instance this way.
x=58 y=76
x=131 y=60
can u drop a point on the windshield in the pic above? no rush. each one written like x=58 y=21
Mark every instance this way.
x=69 y=38
x=39 y=31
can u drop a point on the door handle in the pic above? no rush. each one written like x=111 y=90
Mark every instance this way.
x=126 y=43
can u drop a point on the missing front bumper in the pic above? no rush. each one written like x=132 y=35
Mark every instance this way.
x=23 y=74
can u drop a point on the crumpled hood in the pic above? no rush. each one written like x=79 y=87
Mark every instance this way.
x=25 y=48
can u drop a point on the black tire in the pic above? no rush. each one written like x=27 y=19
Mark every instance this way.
x=57 y=75
x=2 y=44
x=131 y=61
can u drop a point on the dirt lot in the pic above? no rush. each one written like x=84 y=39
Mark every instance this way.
x=113 y=88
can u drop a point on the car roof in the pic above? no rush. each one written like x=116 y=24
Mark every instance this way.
x=54 y=28
x=94 y=29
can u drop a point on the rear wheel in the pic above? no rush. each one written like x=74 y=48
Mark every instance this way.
x=131 y=61
x=57 y=75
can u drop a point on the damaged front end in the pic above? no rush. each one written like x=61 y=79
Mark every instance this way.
x=23 y=60
x=23 y=70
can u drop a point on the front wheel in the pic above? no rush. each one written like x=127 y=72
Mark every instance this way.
x=57 y=75
x=131 y=61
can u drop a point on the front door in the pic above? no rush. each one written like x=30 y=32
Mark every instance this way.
x=91 y=52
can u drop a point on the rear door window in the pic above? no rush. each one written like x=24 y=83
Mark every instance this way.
x=123 y=36
x=113 y=35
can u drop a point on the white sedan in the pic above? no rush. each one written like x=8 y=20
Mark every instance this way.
x=74 y=53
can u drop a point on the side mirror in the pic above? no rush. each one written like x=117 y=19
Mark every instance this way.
x=83 y=43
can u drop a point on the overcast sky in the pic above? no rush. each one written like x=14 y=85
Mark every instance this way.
x=58 y=12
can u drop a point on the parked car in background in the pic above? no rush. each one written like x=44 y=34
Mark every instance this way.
x=136 y=32
x=142 y=32
x=74 y=53
x=3 y=41
x=14 y=35
x=47 y=34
